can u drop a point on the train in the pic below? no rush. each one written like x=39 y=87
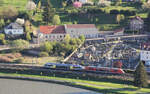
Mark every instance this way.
x=74 y=67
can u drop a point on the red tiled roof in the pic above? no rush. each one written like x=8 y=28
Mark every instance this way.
x=81 y=26
x=137 y=18
x=119 y=30
x=52 y=29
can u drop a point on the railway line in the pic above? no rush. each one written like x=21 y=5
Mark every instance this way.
x=42 y=69
x=78 y=72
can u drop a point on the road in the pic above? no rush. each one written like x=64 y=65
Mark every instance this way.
x=11 y=86
x=115 y=36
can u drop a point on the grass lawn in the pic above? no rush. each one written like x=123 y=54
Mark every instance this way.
x=40 y=60
x=102 y=87
x=19 y=4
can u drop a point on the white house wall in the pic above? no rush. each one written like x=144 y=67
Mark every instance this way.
x=145 y=56
x=87 y=32
x=83 y=1
x=14 y=31
x=51 y=37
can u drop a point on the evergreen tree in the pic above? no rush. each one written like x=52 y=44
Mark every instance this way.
x=148 y=21
x=140 y=76
x=48 y=12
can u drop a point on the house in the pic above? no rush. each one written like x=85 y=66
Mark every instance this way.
x=136 y=24
x=20 y=21
x=83 y=1
x=14 y=29
x=76 y=30
x=77 y=4
x=50 y=33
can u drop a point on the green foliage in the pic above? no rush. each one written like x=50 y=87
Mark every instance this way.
x=140 y=76
x=2 y=36
x=119 y=18
x=56 y=20
x=43 y=54
x=48 y=12
x=19 y=44
x=82 y=38
x=67 y=39
x=2 y=23
x=47 y=47
x=148 y=21
x=9 y=12
x=2 y=39
x=39 y=4
x=28 y=36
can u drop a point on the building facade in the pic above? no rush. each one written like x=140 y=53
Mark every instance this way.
x=14 y=29
x=76 y=30
x=136 y=24
x=50 y=33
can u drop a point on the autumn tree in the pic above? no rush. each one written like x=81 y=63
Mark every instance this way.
x=140 y=76
x=119 y=18
x=9 y=12
x=56 y=20
x=30 y=5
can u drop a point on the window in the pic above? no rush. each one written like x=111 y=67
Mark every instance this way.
x=46 y=36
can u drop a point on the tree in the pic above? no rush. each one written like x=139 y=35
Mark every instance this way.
x=43 y=54
x=2 y=39
x=82 y=38
x=28 y=36
x=67 y=39
x=39 y=4
x=64 y=4
x=140 y=76
x=148 y=21
x=48 y=12
x=118 y=2
x=56 y=20
x=27 y=26
x=30 y=5
x=119 y=18
x=19 y=44
x=47 y=47
x=2 y=23
x=9 y=12
x=73 y=41
x=104 y=3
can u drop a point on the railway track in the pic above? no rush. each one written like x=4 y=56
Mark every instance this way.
x=40 y=68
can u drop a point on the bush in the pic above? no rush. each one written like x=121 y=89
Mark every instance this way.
x=20 y=60
x=4 y=59
x=128 y=12
x=114 y=11
x=43 y=54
